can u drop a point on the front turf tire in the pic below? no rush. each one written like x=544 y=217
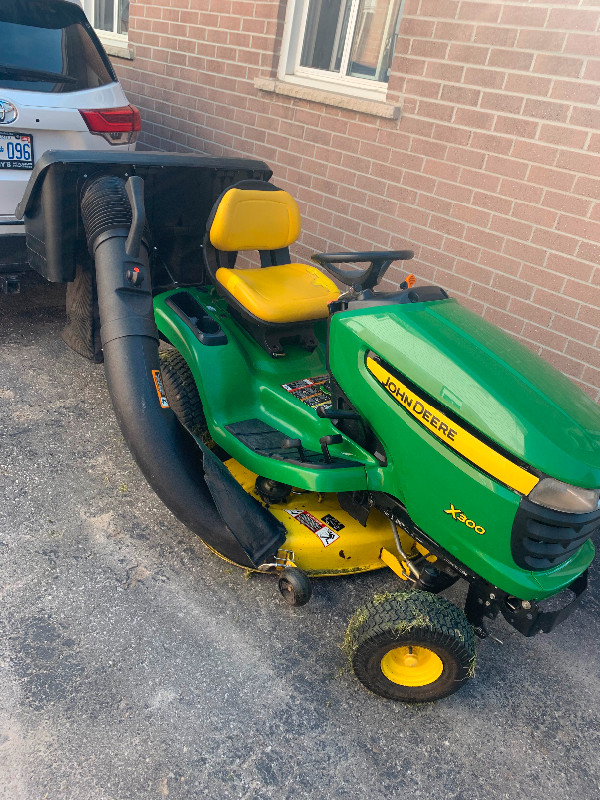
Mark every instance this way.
x=411 y=646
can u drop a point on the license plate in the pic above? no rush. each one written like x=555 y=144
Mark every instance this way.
x=16 y=151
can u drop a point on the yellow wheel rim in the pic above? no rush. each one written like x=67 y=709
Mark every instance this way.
x=412 y=666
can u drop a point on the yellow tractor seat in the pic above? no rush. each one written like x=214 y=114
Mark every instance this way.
x=280 y=294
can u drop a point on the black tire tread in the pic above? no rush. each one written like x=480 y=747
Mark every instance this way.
x=182 y=394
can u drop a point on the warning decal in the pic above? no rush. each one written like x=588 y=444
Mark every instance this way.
x=160 y=390
x=325 y=534
x=312 y=392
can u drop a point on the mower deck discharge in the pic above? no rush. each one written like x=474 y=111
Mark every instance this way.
x=305 y=431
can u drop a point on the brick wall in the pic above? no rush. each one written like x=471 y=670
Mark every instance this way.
x=492 y=174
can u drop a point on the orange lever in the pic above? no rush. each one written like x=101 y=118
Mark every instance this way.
x=410 y=281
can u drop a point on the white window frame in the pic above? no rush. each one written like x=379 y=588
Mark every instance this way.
x=110 y=39
x=291 y=71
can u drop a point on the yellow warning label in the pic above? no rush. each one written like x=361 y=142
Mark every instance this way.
x=160 y=391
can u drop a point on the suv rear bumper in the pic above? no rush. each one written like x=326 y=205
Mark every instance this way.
x=13 y=252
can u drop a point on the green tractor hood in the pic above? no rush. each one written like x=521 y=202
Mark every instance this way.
x=492 y=382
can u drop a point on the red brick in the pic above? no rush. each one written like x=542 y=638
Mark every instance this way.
x=546 y=109
x=541 y=40
x=454 y=31
x=471 y=215
x=589 y=252
x=458 y=194
x=558 y=65
x=592 y=71
x=584 y=353
x=473 y=272
x=552 y=178
x=479 y=12
x=582 y=44
x=493 y=34
x=588 y=315
x=493 y=202
x=583 y=292
x=469 y=54
x=555 y=302
x=510 y=59
x=545 y=337
x=492 y=296
x=429 y=148
x=564 y=136
x=473 y=119
x=573 y=19
x=527 y=84
x=576 y=226
x=500 y=101
x=524 y=16
x=444 y=9
x=463 y=250
x=485 y=239
x=466 y=157
x=451 y=134
x=536 y=214
x=589 y=187
x=491 y=143
x=487 y=78
x=552 y=240
x=422 y=88
x=594 y=143
x=437 y=111
x=442 y=71
x=527 y=310
x=515 y=126
x=586 y=117
x=531 y=151
x=509 y=226
x=479 y=180
x=507 y=167
x=575 y=330
x=525 y=252
x=576 y=92
x=460 y=95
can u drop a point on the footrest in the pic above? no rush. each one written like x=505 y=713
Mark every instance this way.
x=266 y=441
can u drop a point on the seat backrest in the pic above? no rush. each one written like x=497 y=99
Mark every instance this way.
x=254 y=215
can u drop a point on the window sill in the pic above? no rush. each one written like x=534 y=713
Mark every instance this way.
x=375 y=108
x=116 y=45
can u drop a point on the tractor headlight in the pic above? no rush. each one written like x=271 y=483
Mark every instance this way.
x=560 y=496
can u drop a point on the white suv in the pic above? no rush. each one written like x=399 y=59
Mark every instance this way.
x=58 y=91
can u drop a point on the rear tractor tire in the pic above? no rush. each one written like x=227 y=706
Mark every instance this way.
x=182 y=394
x=411 y=646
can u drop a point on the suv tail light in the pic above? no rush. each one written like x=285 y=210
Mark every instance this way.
x=116 y=125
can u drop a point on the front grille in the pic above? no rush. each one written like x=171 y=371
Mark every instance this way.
x=543 y=538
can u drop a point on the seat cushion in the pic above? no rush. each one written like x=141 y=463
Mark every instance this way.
x=288 y=293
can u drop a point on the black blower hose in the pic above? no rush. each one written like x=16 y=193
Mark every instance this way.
x=167 y=455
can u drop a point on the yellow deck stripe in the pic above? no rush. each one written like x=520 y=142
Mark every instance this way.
x=457 y=438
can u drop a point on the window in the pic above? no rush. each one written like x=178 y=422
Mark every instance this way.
x=50 y=47
x=344 y=45
x=110 y=18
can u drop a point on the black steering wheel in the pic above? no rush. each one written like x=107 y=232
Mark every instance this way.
x=361 y=280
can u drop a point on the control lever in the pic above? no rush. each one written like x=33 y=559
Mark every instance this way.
x=294 y=443
x=336 y=438
x=135 y=192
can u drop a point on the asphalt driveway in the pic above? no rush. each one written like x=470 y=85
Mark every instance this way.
x=135 y=664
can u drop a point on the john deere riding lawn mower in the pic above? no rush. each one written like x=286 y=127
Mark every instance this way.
x=306 y=430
